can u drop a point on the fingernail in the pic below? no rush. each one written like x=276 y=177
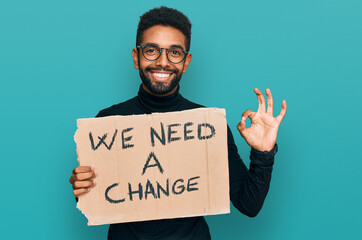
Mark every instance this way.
x=95 y=174
x=92 y=168
x=94 y=183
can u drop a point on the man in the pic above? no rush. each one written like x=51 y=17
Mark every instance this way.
x=162 y=56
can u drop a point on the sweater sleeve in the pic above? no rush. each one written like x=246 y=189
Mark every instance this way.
x=248 y=188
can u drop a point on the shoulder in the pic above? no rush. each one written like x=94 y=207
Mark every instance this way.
x=124 y=108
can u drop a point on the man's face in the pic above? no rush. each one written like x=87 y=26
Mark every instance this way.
x=161 y=77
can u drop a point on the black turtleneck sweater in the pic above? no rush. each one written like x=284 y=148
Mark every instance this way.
x=248 y=188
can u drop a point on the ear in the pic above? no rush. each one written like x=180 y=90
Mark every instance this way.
x=187 y=62
x=135 y=58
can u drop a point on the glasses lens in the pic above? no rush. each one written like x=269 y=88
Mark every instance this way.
x=176 y=55
x=151 y=52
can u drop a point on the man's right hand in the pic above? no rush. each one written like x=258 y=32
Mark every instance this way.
x=82 y=180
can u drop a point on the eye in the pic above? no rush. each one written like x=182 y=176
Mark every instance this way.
x=150 y=50
x=176 y=52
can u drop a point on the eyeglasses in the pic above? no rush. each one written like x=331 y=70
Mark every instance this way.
x=152 y=52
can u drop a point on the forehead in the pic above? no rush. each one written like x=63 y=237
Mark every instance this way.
x=163 y=36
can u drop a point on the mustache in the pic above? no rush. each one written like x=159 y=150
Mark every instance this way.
x=147 y=69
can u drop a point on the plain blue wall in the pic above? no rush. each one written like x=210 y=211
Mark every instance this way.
x=63 y=60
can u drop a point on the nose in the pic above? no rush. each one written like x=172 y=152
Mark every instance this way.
x=162 y=61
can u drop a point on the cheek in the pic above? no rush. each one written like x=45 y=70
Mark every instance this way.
x=143 y=65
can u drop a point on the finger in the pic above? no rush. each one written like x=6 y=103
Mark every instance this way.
x=82 y=169
x=83 y=184
x=85 y=176
x=247 y=114
x=241 y=127
x=269 y=99
x=282 y=112
x=261 y=100
x=71 y=179
x=80 y=191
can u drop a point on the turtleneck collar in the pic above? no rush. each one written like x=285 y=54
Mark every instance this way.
x=160 y=104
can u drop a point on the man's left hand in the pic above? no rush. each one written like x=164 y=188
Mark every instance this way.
x=262 y=134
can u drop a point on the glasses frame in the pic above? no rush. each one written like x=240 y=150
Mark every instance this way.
x=167 y=50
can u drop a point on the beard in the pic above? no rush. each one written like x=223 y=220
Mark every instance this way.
x=160 y=88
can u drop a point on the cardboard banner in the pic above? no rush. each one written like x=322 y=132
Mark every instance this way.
x=155 y=166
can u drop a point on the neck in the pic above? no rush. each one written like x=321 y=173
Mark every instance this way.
x=156 y=103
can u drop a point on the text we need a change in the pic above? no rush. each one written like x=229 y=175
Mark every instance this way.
x=188 y=131
x=155 y=166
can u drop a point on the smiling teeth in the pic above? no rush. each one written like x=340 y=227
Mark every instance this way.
x=161 y=75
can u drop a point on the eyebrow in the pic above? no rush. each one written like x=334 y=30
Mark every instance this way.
x=176 y=45
x=173 y=45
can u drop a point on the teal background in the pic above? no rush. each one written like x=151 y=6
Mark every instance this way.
x=63 y=60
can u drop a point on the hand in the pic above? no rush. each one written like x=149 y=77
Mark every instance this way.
x=262 y=134
x=81 y=180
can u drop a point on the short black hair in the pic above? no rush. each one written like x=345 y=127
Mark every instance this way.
x=166 y=17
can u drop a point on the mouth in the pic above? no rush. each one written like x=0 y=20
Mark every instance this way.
x=162 y=75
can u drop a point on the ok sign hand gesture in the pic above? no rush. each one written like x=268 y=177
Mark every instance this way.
x=262 y=134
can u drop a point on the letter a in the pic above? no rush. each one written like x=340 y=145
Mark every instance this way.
x=152 y=155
